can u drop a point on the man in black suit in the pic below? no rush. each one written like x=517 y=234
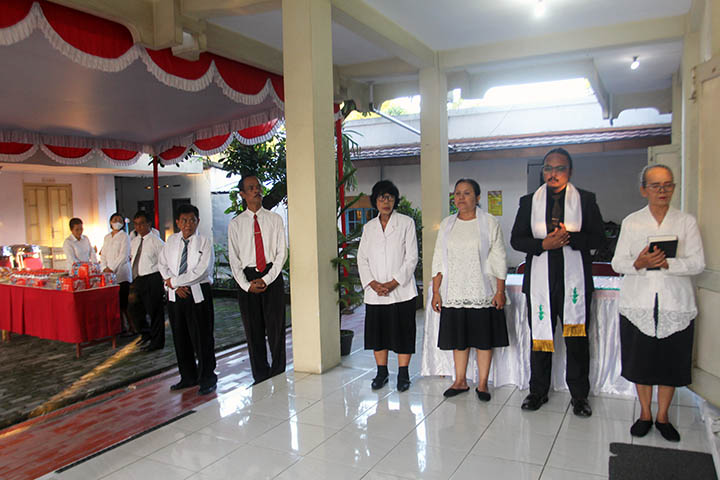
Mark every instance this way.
x=552 y=236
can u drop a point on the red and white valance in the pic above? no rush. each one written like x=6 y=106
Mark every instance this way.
x=107 y=46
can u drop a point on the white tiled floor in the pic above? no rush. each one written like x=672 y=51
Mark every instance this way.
x=299 y=426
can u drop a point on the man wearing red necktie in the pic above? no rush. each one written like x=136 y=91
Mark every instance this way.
x=257 y=251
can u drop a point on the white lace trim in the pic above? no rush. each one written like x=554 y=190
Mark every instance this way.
x=21 y=157
x=469 y=303
x=668 y=322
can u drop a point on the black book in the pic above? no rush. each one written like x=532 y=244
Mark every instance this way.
x=666 y=243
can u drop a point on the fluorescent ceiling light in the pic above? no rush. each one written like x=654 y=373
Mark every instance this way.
x=635 y=64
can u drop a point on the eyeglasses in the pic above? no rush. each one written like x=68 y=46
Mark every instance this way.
x=187 y=221
x=551 y=169
x=386 y=198
x=660 y=187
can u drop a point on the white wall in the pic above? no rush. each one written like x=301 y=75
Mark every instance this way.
x=611 y=176
x=196 y=187
x=93 y=201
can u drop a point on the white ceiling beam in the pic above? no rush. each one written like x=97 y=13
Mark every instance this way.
x=370 y=24
x=211 y=8
x=377 y=68
x=646 y=31
x=232 y=45
x=661 y=100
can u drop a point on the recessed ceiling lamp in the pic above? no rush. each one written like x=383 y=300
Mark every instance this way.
x=635 y=63
x=540 y=8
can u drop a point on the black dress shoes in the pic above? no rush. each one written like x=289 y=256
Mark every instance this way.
x=534 y=401
x=581 y=407
x=483 y=396
x=668 y=431
x=207 y=390
x=182 y=384
x=403 y=384
x=451 y=392
x=379 y=382
x=641 y=428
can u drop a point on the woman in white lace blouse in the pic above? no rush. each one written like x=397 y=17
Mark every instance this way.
x=657 y=301
x=469 y=269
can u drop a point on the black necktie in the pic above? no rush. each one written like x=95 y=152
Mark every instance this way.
x=556 y=211
x=136 y=261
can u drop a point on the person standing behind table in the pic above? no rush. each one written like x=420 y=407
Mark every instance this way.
x=147 y=284
x=186 y=265
x=386 y=260
x=468 y=288
x=115 y=258
x=556 y=227
x=77 y=246
x=257 y=251
x=657 y=301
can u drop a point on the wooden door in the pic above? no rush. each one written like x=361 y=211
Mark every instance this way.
x=706 y=374
x=48 y=209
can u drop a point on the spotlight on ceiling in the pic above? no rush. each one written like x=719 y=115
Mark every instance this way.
x=540 y=8
x=635 y=63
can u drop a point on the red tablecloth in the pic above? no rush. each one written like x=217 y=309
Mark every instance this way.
x=71 y=317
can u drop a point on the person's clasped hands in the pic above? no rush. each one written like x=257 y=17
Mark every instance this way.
x=648 y=259
x=384 y=289
x=257 y=286
x=558 y=238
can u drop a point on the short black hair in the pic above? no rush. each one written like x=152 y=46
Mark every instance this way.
x=75 y=221
x=143 y=214
x=241 y=183
x=560 y=151
x=187 y=208
x=475 y=185
x=381 y=188
x=116 y=214
x=647 y=168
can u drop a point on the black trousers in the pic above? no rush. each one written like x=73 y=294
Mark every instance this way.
x=577 y=348
x=147 y=299
x=263 y=314
x=192 y=326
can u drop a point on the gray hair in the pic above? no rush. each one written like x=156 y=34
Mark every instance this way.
x=647 y=168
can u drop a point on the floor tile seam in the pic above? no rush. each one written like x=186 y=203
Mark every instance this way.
x=244 y=444
x=481 y=434
x=552 y=446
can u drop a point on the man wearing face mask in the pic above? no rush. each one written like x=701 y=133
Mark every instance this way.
x=115 y=258
x=556 y=227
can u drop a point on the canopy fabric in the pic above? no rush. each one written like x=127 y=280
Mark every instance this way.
x=105 y=46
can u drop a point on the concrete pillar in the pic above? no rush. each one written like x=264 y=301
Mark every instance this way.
x=433 y=163
x=307 y=65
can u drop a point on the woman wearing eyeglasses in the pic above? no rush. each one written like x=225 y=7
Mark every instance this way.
x=386 y=259
x=468 y=289
x=657 y=302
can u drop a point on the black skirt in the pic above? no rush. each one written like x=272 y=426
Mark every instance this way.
x=656 y=361
x=391 y=327
x=481 y=328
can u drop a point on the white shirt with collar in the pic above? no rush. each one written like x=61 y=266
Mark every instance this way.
x=152 y=245
x=200 y=263
x=78 y=250
x=115 y=255
x=241 y=244
x=673 y=286
x=386 y=255
x=154 y=231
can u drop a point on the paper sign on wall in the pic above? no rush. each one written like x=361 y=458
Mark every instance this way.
x=495 y=202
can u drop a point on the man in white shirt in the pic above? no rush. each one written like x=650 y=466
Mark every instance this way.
x=147 y=284
x=186 y=265
x=77 y=246
x=257 y=251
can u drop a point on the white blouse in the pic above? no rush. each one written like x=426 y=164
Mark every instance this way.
x=673 y=286
x=386 y=255
x=466 y=288
x=115 y=255
x=78 y=250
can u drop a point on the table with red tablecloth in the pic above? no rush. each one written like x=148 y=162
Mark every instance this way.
x=75 y=317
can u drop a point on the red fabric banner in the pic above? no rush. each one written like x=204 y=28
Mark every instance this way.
x=91 y=34
x=14 y=148
x=258 y=130
x=212 y=142
x=119 y=153
x=172 y=153
x=246 y=79
x=13 y=11
x=68 y=152
x=180 y=67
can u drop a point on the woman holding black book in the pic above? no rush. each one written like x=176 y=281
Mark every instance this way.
x=658 y=251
